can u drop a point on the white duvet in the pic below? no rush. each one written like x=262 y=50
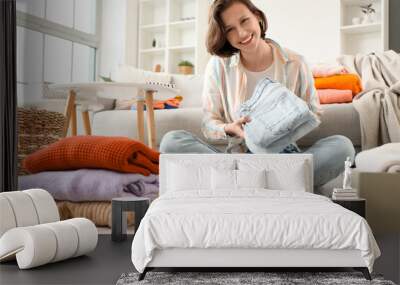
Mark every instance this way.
x=250 y=219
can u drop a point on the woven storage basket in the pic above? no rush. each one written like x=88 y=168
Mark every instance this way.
x=37 y=129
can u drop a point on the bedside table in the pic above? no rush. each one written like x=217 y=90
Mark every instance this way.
x=120 y=206
x=356 y=205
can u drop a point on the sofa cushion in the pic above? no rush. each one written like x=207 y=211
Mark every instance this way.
x=191 y=88
x=336 y=119
x=123 y=122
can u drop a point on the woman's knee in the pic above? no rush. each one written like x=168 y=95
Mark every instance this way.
x=170 y=142
x=343 y=147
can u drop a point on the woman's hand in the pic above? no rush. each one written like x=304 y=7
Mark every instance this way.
x=236 y=128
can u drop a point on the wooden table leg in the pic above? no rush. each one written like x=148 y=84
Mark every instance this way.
x=86 y=123
x=140 y=119
x=74 y=124
x=69 y=108
x=151 y=130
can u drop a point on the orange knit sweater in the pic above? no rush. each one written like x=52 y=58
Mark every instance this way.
x=115 y=153
x=343 y=82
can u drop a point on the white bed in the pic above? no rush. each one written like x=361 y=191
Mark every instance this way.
x=220 y=211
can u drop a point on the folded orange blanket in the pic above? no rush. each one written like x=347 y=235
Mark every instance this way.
x=331 y=96
x=343 y=82
x=115 y=153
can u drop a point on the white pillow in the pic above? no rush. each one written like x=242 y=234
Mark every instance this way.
x=278 y=171
x=251 y=178
x=128 y=73
x=224 y=179
x=193 y=175
x=182 y=177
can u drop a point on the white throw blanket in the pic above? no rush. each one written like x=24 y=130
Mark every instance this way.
x=385 y=158
x=379 y=104
x=250 y=219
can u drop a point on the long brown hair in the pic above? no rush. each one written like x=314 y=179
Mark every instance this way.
x=216 y=42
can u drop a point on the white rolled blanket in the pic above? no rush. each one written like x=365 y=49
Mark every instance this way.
x=31 y=231
x=37 y=245
x=385 y=158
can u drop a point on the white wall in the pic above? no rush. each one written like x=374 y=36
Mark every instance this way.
x=112 y=44
x=45 y=58
x=118 y=34
x=308 y=27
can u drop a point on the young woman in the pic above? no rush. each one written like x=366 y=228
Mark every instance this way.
x=242 y=56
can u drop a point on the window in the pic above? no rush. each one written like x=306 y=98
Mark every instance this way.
x=57 y=42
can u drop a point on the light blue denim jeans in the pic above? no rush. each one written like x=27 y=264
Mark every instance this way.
x=328 y=153
x=281 y=115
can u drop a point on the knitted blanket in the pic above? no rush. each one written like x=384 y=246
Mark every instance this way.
x=114 y=153
x=91 y=184
x=98 y=212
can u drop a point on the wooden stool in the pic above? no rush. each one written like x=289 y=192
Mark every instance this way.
x=120 y=206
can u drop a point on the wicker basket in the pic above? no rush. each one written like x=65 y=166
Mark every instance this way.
x=36 y=129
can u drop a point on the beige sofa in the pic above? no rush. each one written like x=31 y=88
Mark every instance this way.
x=336 y=118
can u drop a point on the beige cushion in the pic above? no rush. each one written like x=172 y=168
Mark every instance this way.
x=124 y=122
x=336 y=119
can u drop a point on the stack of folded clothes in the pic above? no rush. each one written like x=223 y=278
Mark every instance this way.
x=130 y=104
x=171 y=103
x=335 y=84
x=83 y=174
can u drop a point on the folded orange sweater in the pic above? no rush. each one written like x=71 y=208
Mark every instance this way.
x=115 y=153
x=343 y=82
x=330 y=96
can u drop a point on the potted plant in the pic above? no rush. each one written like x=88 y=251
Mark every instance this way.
x=368 y=12
x=185 y=67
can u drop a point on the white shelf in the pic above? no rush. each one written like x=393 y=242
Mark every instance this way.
x=364 y=38
x=362 y=28
x=182 y=48
x=177 y=37
x=153 y=27
x=183 y=24
x=358 y=2
x=152 y=50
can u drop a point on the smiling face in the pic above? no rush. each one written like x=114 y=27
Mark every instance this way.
x=242 y=27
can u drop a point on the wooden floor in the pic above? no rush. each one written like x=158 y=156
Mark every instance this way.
x=111 y=259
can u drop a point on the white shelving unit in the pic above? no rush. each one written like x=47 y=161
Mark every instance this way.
x=372 y=36
x=168 y=33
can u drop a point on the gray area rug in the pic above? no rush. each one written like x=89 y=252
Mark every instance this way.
x=243 y=278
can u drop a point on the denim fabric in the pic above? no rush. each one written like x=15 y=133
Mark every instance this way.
x=328 y=153
x=278 y=118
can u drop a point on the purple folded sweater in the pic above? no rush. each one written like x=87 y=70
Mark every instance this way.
x=91 y=184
